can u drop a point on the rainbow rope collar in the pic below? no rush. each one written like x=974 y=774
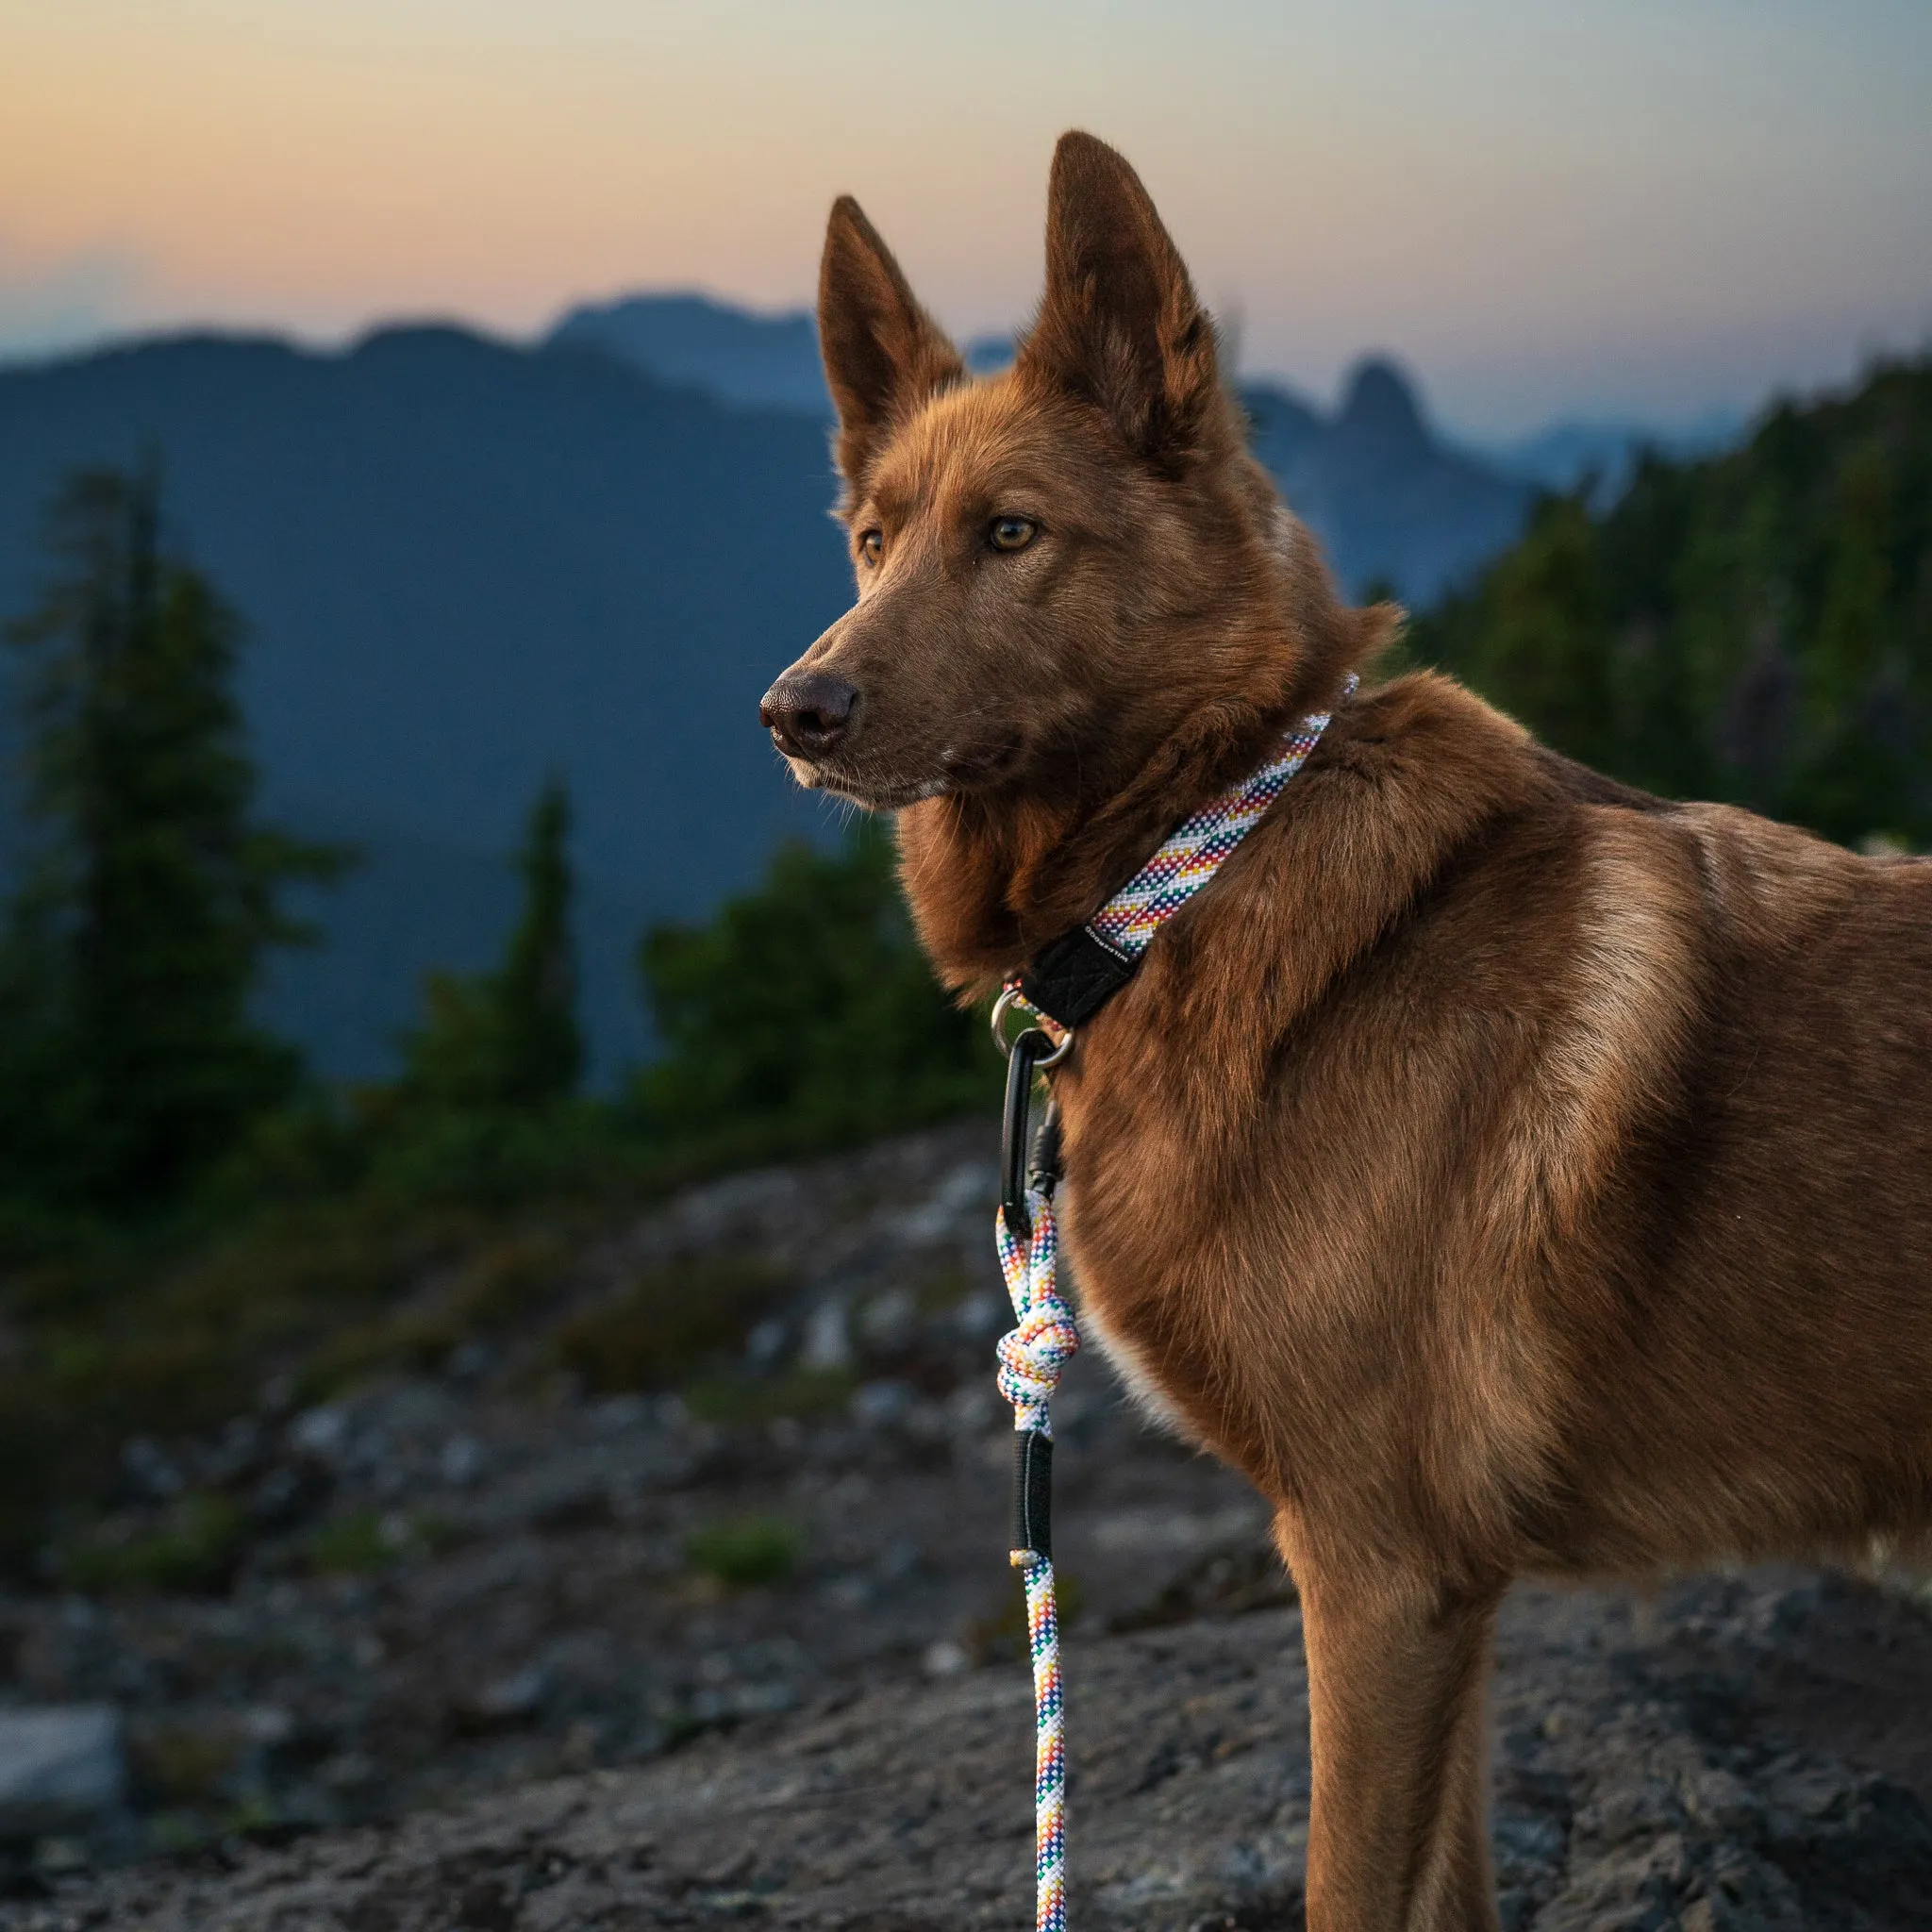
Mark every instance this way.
x=1066 y=985
x=1068 y=981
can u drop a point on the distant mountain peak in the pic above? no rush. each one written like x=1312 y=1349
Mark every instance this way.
x=987 y=354
x=1381 y=402
x=693 y=341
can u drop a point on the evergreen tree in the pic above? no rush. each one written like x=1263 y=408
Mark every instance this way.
x=805 y=1014
x=1756 y=627
x=148 y=892
x=509 y=1039
x=542 y=1045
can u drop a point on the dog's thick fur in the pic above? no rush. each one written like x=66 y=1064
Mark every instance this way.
x=1507 y=1171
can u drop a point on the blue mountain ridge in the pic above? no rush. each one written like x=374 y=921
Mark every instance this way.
x=464 y=565
x=773 y=359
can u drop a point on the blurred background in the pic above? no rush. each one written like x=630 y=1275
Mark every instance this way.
x=472 y=1137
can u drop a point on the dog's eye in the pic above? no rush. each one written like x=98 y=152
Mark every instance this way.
x=1013 y=533
x=872 y=545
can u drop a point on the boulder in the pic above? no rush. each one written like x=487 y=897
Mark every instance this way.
x=61 y=1768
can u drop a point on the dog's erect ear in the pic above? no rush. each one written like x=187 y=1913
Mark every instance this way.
x=1120 y=323
x=884 y=353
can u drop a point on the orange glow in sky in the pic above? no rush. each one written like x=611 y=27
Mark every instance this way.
x=1630 y=207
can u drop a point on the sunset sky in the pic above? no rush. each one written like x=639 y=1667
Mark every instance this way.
x=1648 y=207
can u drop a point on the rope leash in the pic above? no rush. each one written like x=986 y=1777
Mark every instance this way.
x=1087 y=967
x=1032 y=1359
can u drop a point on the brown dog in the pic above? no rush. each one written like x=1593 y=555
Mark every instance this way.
x=1507 y=1171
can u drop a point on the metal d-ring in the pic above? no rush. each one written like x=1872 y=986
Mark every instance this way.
x=1010 y=998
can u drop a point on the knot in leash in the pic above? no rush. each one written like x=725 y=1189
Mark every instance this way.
x=1033 y=1354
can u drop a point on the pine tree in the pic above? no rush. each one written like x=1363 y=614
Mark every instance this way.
x=542 y=1049
x=804 y=1014
x=1755 y=627
x=149 y=894
x=509 y=1040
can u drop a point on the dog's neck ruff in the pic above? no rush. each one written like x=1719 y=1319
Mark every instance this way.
x=1070 y=980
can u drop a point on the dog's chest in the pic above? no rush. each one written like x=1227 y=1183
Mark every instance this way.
x=1137 y=1371
x=1152 y=1298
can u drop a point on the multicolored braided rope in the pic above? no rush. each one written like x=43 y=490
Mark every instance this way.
x=1033 y=1354
x=1031 y=1357
x=1195 y=850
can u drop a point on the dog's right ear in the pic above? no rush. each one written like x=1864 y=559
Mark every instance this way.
x=884 y=353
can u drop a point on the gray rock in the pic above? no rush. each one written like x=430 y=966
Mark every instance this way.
x=322 y=1432
x=150 y=1471
x=61 y=1768
x=879 y=1405
x=828 y=1337
x=514 y=1699
x=765 y=1346
x=888 y=1320
x=462 y=1460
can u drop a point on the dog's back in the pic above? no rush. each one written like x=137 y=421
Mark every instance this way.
x=1559 y=1186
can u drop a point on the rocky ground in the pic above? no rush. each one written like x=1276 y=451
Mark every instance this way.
x=1734 y=1755
x=498 y=1653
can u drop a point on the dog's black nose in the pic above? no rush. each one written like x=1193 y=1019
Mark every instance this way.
x=809 y=714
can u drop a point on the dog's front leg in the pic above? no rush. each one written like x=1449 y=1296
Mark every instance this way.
x=1398 y=1834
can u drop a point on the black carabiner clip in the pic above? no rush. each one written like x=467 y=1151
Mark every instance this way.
x=1023 y=1061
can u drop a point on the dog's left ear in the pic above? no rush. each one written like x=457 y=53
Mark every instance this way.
x=883 y=353
x=1120 y=323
